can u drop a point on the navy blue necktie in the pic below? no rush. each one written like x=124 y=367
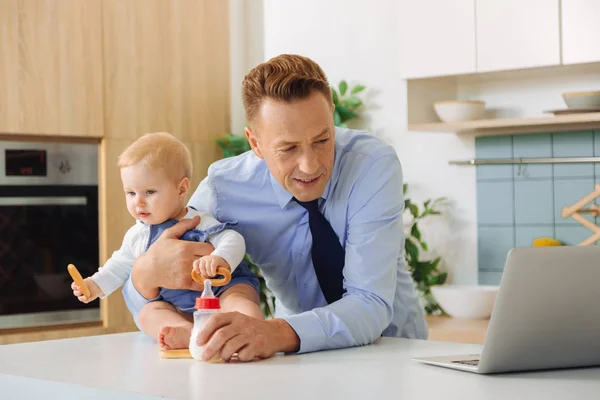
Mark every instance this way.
x=327 y=253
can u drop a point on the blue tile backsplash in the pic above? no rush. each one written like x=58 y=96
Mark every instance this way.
x=518 y=203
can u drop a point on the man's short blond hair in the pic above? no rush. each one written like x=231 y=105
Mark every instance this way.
x=160 y=151
x=284 y=78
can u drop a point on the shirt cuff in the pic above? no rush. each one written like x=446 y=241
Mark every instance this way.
x=104 y=284
x=310 y=331
x=227 y=257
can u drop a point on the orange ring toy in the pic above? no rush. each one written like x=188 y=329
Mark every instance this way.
x=215 y=282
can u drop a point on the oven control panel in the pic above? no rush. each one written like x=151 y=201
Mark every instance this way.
x=48 y=163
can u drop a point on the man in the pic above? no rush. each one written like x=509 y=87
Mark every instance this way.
x=321 y=211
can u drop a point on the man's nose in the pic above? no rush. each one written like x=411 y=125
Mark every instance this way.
x=309 y=162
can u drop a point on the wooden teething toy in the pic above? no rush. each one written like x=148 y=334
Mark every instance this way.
x=78 y=279
x=215 y=282
x=179 y=353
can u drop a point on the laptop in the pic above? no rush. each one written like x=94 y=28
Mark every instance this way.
x=546 y=315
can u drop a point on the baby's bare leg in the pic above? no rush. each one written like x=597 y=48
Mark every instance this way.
x=170 y=328
x=241 y=298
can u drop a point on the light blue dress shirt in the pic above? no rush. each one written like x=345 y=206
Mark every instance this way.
x=363 y=202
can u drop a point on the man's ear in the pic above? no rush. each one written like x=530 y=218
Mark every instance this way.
x=253 y=141
x=184 y=186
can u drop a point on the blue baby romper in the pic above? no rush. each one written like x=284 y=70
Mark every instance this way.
x=184 y=300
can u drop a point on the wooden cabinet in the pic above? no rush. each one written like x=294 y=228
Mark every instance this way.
x=446 y=329
x=166 y=68
x=513 y=34
x=51 y=67
x=437 y=37
x=580 y=31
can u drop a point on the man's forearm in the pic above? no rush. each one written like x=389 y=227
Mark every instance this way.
x=145 y=288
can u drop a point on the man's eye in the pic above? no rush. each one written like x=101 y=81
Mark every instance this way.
x=288 y=149
x=323 y=141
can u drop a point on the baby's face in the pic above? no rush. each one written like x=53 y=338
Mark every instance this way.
x=151 y=197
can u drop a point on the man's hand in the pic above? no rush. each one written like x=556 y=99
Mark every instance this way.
x=168 y=262
x=250 y=338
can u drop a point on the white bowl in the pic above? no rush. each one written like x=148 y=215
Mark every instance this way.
x=582 y=99
x=459 y=110
x=466 y=301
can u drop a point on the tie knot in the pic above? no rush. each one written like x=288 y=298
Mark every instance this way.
x=310 y=206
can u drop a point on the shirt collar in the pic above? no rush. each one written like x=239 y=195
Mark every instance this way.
x=283 y=197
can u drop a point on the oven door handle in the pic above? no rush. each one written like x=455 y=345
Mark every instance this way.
x=44 y=201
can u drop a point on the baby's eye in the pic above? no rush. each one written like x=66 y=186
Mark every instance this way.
x=130 y=193
x=150 y=191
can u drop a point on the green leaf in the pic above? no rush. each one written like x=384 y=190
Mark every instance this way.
x=357 y=89
x=415 y=232
x=345 y=113
x=343 y=87
x=337 y=120
x=442 y=278
x=426 y=204
x=404 y=188
x=334 y=96
x=411 y=250
x=424 y=246
x=414 y=210
x=353 y=101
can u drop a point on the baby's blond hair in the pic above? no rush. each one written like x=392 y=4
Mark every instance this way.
x=162 y=151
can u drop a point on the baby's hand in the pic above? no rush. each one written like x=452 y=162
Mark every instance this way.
x=207 y=266
x=94 y=289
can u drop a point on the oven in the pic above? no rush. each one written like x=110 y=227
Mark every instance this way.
x=48 y=219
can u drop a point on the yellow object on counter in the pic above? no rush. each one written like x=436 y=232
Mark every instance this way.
x=546 y=241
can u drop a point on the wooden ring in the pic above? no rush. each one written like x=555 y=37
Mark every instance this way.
x=215 y=282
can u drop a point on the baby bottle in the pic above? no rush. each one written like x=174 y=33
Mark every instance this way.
x=206 y=306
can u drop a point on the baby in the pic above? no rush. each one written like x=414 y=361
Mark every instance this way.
x=156 y=171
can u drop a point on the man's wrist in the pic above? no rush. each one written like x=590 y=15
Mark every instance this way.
x=288 y=342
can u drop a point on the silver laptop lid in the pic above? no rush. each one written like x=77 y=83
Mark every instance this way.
x=547 y=313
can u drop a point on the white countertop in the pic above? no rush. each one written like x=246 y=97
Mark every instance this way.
x=127 y=366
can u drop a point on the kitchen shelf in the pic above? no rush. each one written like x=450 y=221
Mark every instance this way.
x=514 y=125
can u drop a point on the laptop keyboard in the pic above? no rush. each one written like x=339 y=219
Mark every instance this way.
x=473 y=363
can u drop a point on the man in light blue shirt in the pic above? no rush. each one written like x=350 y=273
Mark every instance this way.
x=298 y=154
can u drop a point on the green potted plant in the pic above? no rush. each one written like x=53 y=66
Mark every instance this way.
x=347 y=103
x=425 y=273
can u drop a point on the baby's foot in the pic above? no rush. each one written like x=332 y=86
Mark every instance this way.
x=174 y=337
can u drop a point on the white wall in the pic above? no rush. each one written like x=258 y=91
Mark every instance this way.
x=358 y=40
x=246 y=31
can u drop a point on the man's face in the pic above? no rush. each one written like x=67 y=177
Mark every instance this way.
x=297 y=142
